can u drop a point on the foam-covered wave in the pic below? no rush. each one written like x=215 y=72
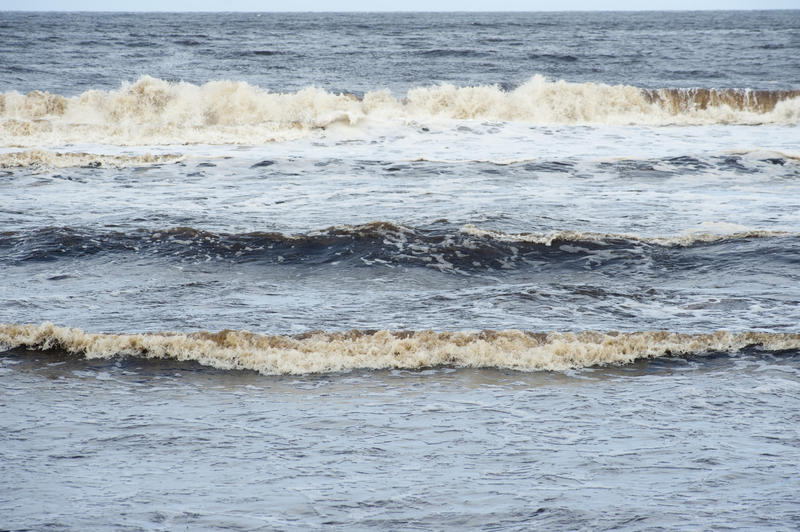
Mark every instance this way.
x=52 y=159
x=154 y=111
x=321 y=352
x=444 y=247
x=688 y=238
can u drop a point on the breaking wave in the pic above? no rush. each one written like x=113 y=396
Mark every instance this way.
x=322 y=352
x=446 y=248
x=154 y=111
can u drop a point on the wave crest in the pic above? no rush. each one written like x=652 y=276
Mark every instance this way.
x=462 y=251
x=154 y=111
x=322 y=352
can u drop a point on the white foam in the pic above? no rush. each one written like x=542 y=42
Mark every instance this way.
x=333 y=352
x=706 y=233
x=153 y=111
x=53 y=159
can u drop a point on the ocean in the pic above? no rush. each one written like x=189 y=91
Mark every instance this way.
x=429 y=271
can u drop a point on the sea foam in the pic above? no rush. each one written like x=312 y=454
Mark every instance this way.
x=154 y=111
x=323 y=352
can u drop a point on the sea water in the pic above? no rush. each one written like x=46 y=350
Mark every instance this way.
x=400 y=271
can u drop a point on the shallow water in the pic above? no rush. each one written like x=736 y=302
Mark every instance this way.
x=668 y=444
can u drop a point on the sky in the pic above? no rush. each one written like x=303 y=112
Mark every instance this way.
x=389 y=5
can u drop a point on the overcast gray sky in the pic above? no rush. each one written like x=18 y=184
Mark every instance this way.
x=389 y=5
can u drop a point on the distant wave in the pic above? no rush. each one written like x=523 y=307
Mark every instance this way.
x=154 y=111
x=321 y=352
x=447 y=249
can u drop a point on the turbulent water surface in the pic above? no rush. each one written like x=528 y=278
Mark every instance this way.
x=427 y=271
